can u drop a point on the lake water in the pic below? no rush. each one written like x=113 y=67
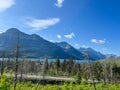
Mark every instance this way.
x=49 y=60
x=61 y=60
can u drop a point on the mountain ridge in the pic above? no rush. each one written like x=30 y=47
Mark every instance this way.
x=69 y=49
x=35 y=46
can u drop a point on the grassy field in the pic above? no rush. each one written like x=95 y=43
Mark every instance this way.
x=29 y=86
x=7 y=84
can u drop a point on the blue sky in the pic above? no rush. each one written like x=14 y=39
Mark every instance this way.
x=82 y=23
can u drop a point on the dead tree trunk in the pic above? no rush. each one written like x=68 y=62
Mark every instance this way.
x=111 y=73
x=21 y=72
x=16 y=62
x=105 y=73
x=2 y=62
x=90 y=70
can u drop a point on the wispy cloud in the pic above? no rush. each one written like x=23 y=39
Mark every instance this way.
x=38 y=24
x=5 y=4
x=69 y=36
x=59 y=36
x=98 y=41
x=59 y=3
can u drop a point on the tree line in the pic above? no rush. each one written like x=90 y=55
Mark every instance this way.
x=101 y=72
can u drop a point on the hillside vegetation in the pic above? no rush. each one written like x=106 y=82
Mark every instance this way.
x=112 y=61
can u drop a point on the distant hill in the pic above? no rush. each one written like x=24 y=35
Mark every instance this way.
x=111 y=61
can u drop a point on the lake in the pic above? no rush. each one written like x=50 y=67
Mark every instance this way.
x=49 y=60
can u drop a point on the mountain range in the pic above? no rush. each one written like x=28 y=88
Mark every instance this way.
x=35 y=46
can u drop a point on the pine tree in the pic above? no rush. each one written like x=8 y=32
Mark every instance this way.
x=57 y=64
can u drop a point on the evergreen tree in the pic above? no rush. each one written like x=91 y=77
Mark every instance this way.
x=46 y=65
x=63 y=67
x=57 y=64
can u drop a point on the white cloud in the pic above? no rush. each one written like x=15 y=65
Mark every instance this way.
x=77 y=46
x=59 y=36
x=1 y=32
x=52 y=41
x=59 y=3
x=98 y=41
x=38 y=24
x=5 y=4
x=85 y=46
x=104 y=49
x=69 y=36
